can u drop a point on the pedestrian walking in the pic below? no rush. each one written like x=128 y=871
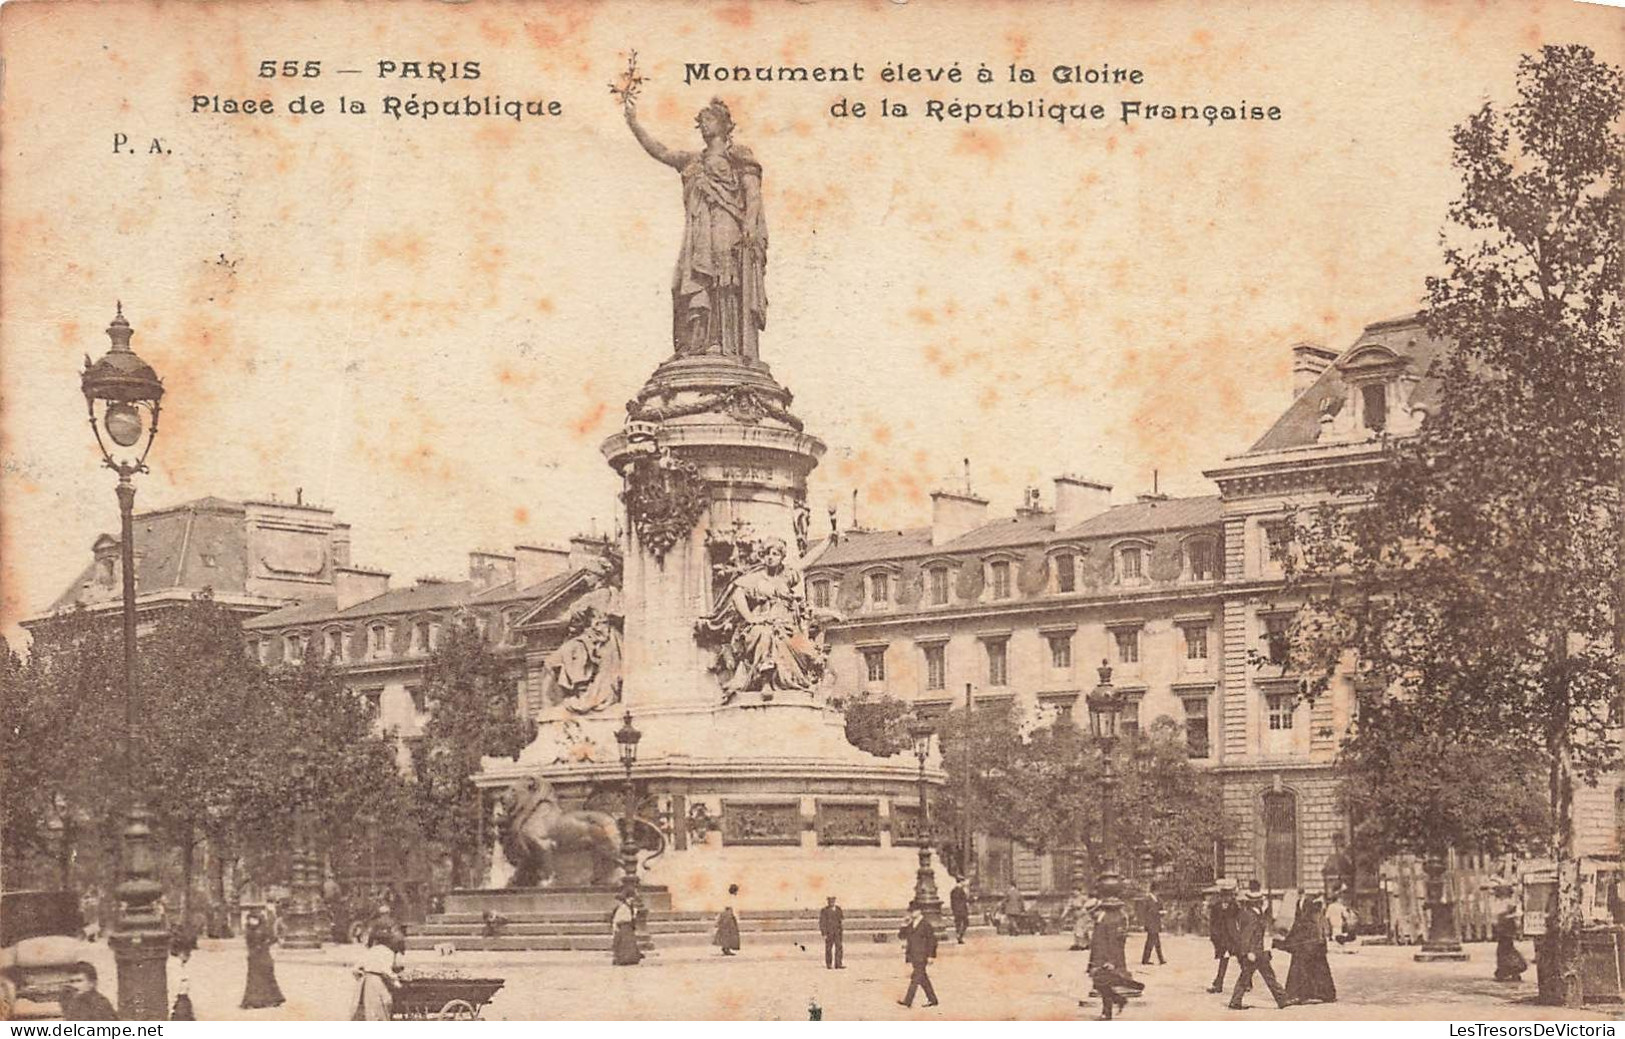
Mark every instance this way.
x=959 y=903
x=182 y=944
x=1108 y=964
x=832 y=925
x=623 y=929
x=727 y=933
x=1082 y=910
x=1309 y=979
x=1509 y=962
x=261 y=989
x=918 y=952
x=1151 y=916
x=375 y=981
x=1252 y=956
x=1221 y=928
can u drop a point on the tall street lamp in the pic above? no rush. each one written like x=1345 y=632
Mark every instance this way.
x=1105 y=702
x=925 y=880
x=305 y=890
x=627 y=737
x=122 y=394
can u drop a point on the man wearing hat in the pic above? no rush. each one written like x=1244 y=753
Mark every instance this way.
x=1221 y=927
x=832 y=925
x=959 y=903
x=1252 y=928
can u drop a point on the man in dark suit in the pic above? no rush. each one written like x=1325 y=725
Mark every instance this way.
x=1221 y=929
x=1151 y=916
x=921 y=949
x=1252 y=953
x=959 y=902
x=831 y=924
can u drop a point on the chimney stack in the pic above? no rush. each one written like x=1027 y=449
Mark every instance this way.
x=534 y=564
x=585 y=551
x=954 y=514
x=352 y=585
x=341 y=544
x=490 y=569
x=1308 y=361
x=1077 y=499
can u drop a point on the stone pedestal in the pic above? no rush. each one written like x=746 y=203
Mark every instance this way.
x=754 y=779
x=1443 y=941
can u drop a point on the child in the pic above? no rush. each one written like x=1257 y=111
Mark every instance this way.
x=83 y=1002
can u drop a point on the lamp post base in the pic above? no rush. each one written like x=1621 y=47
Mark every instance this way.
x=143 y=974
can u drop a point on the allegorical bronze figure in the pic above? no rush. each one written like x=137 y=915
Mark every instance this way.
x=718 y=294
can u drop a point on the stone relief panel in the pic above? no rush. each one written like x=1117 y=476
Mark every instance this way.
x=848 y=823
x=761 y=823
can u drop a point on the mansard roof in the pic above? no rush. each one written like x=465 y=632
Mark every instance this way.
x=1405 y=338
x=187 y=547
x=418 y=598
x=1157 y=515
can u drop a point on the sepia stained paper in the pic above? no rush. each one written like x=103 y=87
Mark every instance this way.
x=407 y=262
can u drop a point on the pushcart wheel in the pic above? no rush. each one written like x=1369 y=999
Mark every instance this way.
x=458 y=1010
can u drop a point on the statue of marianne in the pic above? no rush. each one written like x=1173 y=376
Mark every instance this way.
x=718 y=294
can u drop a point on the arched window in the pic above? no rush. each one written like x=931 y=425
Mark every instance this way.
x=1280 y=840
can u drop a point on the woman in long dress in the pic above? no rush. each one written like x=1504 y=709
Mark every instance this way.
x=623 y=928
x=727 y=934
x=375 y=979
x=261 y=988
x=1509 y=962
x=1309 y=980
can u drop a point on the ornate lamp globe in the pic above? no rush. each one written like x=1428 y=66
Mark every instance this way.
x=627 y=738
x=921 y=730
x=1104 y=705
x=122 y=393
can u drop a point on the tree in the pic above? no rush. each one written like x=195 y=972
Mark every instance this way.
x=1041 y=785
x=61 y=726
x=1474 y=569
x=876 y=724
x=1416 y=789
x=473 y=714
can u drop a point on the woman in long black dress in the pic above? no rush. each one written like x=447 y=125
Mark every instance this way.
x=1509 y=962
x=623 y=927
x=1309 y=980
x=261 y=989
x=727 y=932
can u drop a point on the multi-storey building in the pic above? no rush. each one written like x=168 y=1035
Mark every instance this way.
x=1186 y=598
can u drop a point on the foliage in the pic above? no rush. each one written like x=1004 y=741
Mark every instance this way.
x=1413 y=788
x=877 y=724
x=1474 y=570
x=217 y=735
x=473 y=714
x=1043 y=788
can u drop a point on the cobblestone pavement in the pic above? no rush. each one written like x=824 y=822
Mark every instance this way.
x=988 y=978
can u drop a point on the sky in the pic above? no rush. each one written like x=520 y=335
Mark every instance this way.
x=430 y=325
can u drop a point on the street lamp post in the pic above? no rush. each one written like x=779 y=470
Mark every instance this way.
x=627 y=737
x=925 y=880
x=1104 y=704
x=304 y=908
x=122 y=395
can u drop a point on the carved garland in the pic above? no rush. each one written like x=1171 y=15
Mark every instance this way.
x=664 y=497
x=745 y=404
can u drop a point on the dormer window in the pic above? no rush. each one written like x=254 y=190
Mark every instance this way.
x=104 y=571
x=820 y=594
x=1131 y=564
x=293 y=648
x=332 y=644
x=938 y=581
x=377 y=641
x=879 y=589
x=1374 y=406
x=1066 y=572
x=420 y=637
x=1001 y=580
x=1201 y=559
